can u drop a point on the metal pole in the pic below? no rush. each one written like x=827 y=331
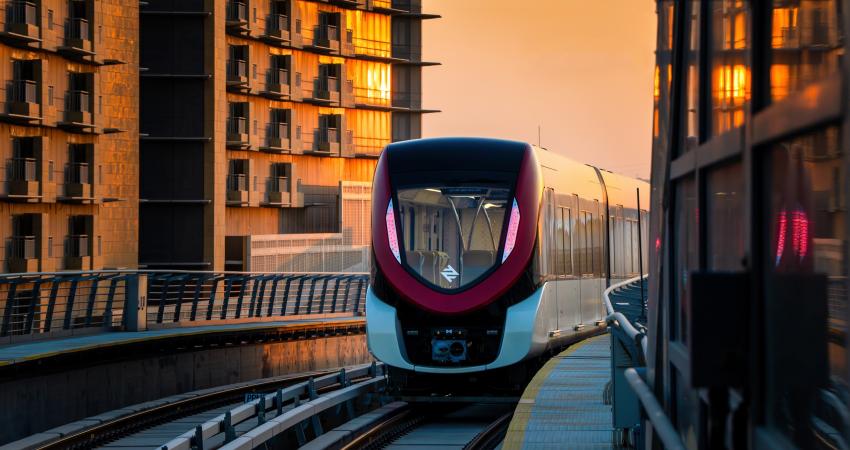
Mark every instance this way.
x=640 y=260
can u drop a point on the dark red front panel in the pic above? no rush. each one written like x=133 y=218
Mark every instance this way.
x=528 y=195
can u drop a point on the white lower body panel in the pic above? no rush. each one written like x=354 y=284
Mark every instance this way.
x=526 y=333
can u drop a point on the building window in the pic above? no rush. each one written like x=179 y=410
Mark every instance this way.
x=49 y=19
x=805 y=44
x=730 y=69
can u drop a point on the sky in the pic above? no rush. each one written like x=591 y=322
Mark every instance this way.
x=580 y=69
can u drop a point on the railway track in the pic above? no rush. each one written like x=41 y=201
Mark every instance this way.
x=477 y=426
x=209 y=403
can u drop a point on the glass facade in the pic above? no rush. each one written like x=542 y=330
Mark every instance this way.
x=749 y=190
x=806 y=241
x=730 y=70
x=805 y=44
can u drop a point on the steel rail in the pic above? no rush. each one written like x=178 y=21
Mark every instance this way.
x=285 y=420
x=147 y=418
x=491 y=436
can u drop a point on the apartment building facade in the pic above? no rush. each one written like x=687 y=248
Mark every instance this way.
x=68 y=135
x=261 y=122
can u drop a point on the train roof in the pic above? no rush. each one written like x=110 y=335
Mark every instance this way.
x=563 y=174
x=568 y=176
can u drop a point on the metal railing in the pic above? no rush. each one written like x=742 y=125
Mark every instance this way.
x=20 y=12
x=236 y=69
x=77 y=28
x=77 y=172
x=63 y=302
x=279 y=130
x=237 y=125
x=327 y=136
x=629 y=350
x=77 y=245
x=78 y=101
x=237 y=11
x=278 y=22
x=24 y=91
x=279 y=184
x=237 y=182
x=328 y=84
x=285 y=411
x=22 y=169
x=22 y=247
x=278 y=76
x=327 y=33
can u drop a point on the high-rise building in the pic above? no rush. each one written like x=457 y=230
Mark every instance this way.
x=261 y=123
x=68 y=135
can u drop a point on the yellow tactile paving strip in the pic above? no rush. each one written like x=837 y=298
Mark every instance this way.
x=516 y=434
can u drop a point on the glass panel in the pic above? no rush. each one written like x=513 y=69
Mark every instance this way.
x=691 y=131
x=730 y=71
x=660 y=143
x=806 y=45
x=686 y=255
x=725 y=205
x=805 y=288
x=452 y=233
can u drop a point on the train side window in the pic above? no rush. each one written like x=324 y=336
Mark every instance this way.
x=559 y=242
x=568 y=244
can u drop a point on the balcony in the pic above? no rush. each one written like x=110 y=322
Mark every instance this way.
x=22 y=179
x=277 y=84
x=349 y=3
x=78 y=108
x=23 y=99
x=23 y=256
x=237 y=133
x=278 y=191
x=22 y=21
x=330 y=142
x=327 y=89
x=278 y=137
x=78 y=186
x=277 y=27
x=237 y=189
x=77 y=254
x=236 y=17
x=237 y=73
x=77 y=37
x=326 y=38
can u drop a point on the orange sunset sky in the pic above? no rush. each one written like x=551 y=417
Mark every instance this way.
x=581 y=69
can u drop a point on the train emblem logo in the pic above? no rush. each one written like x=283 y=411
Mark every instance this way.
x=449 y=273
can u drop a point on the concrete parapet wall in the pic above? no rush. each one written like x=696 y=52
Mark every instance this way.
x=37 y=403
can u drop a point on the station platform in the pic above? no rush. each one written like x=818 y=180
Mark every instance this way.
x=41 y=350
x=565 y=404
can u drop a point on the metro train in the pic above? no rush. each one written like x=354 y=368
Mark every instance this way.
x=488 y=256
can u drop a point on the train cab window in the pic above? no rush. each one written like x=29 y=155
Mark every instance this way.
x=805 y=44
x=452 y=234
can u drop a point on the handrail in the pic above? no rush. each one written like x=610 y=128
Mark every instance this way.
x=69 y=273
x=620 y=320
x=654 y=412
x=284 y=420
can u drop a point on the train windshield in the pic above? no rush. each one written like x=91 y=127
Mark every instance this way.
x=451 y=234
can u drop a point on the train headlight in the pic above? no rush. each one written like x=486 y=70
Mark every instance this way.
x=392 y=236
x=513 y=226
